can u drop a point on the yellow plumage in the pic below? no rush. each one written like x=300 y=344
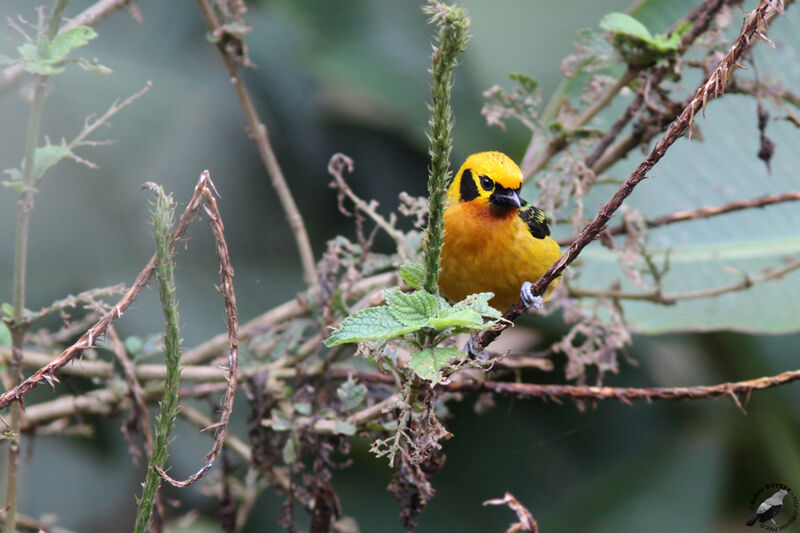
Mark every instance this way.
x=488 y=246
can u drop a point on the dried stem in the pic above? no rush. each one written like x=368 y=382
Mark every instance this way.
x=259 y=134
x=757 y=22
x=232 y=370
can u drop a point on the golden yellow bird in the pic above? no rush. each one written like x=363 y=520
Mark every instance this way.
x=494 y=241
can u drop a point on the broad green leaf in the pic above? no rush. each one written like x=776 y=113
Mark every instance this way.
x=412 y=308
x=413 y=274
x=428 y=363
x=620 y=23
x=47 y=157
x=372 y=323
x=66 y=41
x=351 y=393
x=452 y=318
x=28 y=51
x=8 y=309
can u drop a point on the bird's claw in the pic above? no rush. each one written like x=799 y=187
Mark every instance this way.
x=530 y=301
x=479 y=355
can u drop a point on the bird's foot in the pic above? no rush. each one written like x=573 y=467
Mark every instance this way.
x=474 y=353
x=530 y=301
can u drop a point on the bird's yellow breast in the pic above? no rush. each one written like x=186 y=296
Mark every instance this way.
x=486 y=253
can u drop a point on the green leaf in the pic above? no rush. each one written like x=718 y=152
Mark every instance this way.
x=479 y=302
x=28 y=51
x=69 y=40
x=428 y=363
x=412 y=308
x=289 y=451
x=43 y=68
x=621 y=23
x=342 y=427
x=450 y=318
x=134 y=345
x=8 y=309
x=372 y=323
x=304 y=408
x=280 y=422
x=413 y=274
x=351 y=393
x=47 y=157
x=5 y=335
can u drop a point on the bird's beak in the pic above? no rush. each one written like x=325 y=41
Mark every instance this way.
x=505 y=198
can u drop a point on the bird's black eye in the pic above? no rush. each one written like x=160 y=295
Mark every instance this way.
x=486 y=183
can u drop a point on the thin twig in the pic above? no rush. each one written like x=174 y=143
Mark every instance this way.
x=525 y=522
x=672 y=298
x=703 y=212
x=756 y=24
x=259 y=134
x=226 y=288
x=336 y=167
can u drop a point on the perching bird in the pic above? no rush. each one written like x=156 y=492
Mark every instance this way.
x=494 y=241
x=769 y=508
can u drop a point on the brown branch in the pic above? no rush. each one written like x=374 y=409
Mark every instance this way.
x=226 y=288
x=525 y=522
x=87 y=340
x=757 y=22
x=624 y=394
x=11 y=76
x=259 y=134
x=703 y=212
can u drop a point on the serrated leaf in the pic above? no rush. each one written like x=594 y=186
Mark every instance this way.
x=351 y=393
x=46 y=157
x=450 y=318
x=412 y=308
x=342 y=427
x=372 y=323
x=479 y=302
x=28 y=51
x=413 y=274
x=428 y=363
x=67 y=41
x=289 y=451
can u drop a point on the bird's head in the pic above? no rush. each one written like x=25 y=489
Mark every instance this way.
x=489 y=180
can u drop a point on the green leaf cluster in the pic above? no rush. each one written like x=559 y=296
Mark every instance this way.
x=408 y=314
x=49 y=57
x=637 y=45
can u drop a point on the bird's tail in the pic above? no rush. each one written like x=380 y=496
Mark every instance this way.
x=752 y=520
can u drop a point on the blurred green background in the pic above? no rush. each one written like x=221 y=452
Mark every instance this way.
x=352 y=77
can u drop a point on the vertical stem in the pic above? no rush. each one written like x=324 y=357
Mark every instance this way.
x=452 y=39
x=24 y=206
x=165 y=275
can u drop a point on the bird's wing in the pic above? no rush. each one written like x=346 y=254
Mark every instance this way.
x=535 y=219
x=763 y=508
